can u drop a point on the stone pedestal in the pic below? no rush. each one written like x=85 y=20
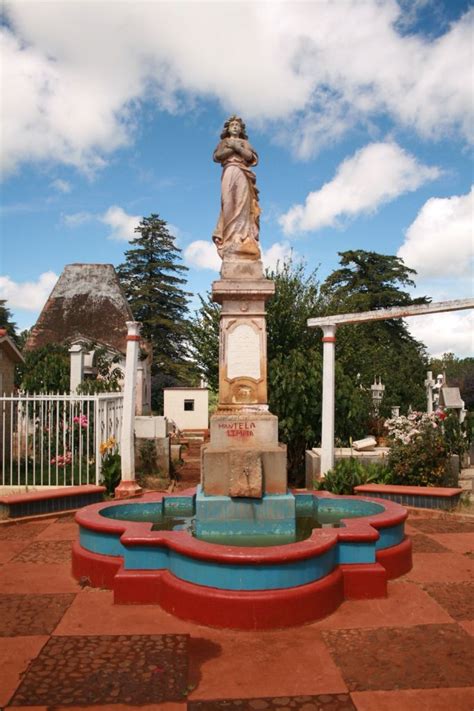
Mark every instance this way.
x=244 y=458
x=242 y=292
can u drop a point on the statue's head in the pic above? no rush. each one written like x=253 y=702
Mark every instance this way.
x=233 y=120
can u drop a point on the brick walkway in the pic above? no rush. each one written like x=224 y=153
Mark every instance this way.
x=65 y=647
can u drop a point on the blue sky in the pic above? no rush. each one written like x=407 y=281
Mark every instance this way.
x=361 y=113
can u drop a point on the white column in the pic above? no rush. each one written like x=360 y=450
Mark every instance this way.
x=329 y=399
x=128 y=486
x=76 y=371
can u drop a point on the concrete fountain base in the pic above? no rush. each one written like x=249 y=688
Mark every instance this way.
x=242 y=587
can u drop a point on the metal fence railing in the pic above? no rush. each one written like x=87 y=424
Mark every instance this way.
x=57 y=440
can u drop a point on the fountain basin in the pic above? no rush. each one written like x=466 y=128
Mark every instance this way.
x=242 y=587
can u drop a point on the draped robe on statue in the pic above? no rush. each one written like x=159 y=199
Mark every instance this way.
x=237 y=232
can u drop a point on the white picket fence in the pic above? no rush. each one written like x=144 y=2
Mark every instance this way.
x=57 y=440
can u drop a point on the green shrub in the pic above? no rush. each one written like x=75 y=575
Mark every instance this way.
x=349 y=473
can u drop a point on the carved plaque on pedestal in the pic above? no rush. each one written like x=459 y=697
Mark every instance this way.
x=246 y=478
x=243 y=352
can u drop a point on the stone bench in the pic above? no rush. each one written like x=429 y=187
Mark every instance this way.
x=45 y=501
x=425 y=497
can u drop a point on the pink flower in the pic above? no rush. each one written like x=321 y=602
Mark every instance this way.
x=81 y=420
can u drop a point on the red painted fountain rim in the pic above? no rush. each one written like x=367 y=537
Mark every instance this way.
x=132 y=533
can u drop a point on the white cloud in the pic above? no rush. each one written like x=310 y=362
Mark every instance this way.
x=374 y=175
x=441 y=333
x=122 y=224
x=202 y=255
x=77 y=218
x=62 y=186
x=274 y=256
x=323 y=67
x=439 y=243
x=28 y=295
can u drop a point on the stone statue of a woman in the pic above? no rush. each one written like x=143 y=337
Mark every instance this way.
x=237 y=232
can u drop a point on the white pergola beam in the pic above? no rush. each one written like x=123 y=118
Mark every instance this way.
x=393 y=312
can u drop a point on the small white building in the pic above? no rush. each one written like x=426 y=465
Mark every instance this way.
x=188 y=408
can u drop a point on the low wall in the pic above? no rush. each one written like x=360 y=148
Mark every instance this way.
x=153 y=429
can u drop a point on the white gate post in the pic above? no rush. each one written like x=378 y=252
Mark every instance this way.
x=329 y=399
x=128 y=486
x=76 y=367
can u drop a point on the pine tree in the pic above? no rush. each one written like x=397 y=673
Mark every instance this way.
x=6 y=320
x=153 y=279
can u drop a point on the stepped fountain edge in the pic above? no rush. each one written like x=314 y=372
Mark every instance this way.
x=242 y=587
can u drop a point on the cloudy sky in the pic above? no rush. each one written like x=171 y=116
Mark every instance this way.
x=361 y=113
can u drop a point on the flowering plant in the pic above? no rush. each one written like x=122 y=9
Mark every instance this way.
x=81 y=420
x=62 y=460
x=405 y=429
x=111 y=464
x=418 y=453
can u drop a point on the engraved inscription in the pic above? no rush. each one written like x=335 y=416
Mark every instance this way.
x=243 y=353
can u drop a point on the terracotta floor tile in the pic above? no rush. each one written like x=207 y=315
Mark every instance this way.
x=93 y=612
x=407 y=604
x=135 y=669
x=415 y=700
x=440 y=567
x=46 y=578
x=444 y=524
x=426 y=544
x=423 y=657
x=26 y=615
x=9 y=549
x=21 y=531
x=15 y=655
x=163 y=706
x=320 y=702
x=236 y=665
x=458 y=542
x=468 y=625
x=456 y=598
x=60 y=532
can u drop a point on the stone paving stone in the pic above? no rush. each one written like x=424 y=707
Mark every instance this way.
x=45 y=552
x=9 y=549
x=66 y=518
x=442 y=525
x=131 y=670
x=415 y=700
x=26 y=615
x=321 y=702
x=425 y=656
x=456 y=598
x=21 y=531
x=425 y=544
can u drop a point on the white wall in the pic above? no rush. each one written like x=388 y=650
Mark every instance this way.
x=197 y=419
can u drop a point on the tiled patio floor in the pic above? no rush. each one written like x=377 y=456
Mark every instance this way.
x=64 y=647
